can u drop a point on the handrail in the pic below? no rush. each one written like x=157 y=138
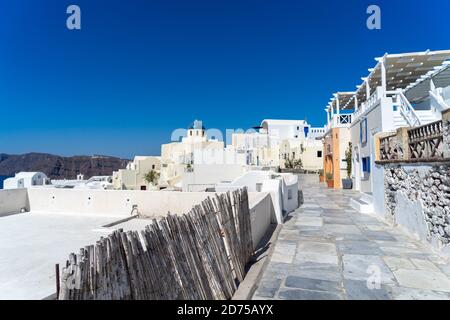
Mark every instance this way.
x=407 y=111
x=440 y=101
x=368 y=104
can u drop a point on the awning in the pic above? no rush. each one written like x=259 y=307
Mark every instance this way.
x=402 y=71
x=343 y=97
x=419 y=91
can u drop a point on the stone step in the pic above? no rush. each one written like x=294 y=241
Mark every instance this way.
x=362 y=204
x=366 y=197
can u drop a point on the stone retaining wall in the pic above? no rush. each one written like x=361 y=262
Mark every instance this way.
x=426 y=187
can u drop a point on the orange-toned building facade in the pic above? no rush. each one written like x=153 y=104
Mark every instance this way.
x=335 y=142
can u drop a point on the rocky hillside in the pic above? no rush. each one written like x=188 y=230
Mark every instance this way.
x=57 y=167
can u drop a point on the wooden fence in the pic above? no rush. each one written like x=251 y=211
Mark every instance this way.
x=198 y=255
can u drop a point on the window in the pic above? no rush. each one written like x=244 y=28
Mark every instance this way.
x=190 y=132
x=153 y=166
x=366 y=164
x=298 y=128
x=289 y=194
x=363 y=131
x=293 y=154
x=319 y=154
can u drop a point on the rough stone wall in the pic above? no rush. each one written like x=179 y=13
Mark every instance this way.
x=446 y=133
x=425 y=183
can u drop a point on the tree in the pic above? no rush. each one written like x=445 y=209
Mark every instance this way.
x=291 y=163
x=151 y=177
x=348 y=159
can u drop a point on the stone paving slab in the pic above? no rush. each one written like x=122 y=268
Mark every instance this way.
x=328 y=251
x=358 y=290
x=309 y=295
x=312 y=284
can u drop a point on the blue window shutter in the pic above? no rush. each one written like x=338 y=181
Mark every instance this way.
x=360 y=131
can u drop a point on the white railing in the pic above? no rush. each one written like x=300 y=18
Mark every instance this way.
x=406 y=110
x=373 y=100
x=340 y=121
x=437 y=101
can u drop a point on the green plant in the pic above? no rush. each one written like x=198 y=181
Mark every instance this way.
x=293 y=163
x=321 y=172
x=329 y=176
x=151 y=177
x=348 y=159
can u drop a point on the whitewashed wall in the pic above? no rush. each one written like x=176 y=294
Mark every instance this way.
x=112 y=202
x=13 y=201
x=261 y=211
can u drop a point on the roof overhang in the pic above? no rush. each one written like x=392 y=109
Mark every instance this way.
x=339 y=97
x=403 y=70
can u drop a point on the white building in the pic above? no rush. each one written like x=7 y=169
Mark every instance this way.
x=282 y=187
x=133 y=177
x=296 y=140
x=259 y=148
x=290 y=129
x=25 y=180
x=398 y=92
x=177 y=157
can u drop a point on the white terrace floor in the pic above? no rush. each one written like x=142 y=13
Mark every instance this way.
x=32 y=243
x=327 y=250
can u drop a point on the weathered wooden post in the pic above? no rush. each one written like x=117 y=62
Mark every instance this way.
x=57 y=280
x=446 y=133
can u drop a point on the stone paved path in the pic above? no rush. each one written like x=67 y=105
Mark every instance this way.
x=327 y=250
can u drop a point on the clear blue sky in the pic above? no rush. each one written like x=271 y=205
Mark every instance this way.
x=140 y=68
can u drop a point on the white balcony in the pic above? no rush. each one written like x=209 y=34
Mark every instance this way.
x=374 y=100
x=340 y=121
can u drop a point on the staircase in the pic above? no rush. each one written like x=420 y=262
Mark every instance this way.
x=407 y=116
x=363 y=204
x=425 y=116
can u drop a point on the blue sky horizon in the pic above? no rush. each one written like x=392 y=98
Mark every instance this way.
x=139 y=69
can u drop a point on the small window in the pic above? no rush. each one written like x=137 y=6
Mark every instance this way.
x=363 y=131
x=153 y=166
x=319 y=154
x=366 y=164
x=190 y=132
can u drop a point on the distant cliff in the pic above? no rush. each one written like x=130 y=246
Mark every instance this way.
x=57 y=167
